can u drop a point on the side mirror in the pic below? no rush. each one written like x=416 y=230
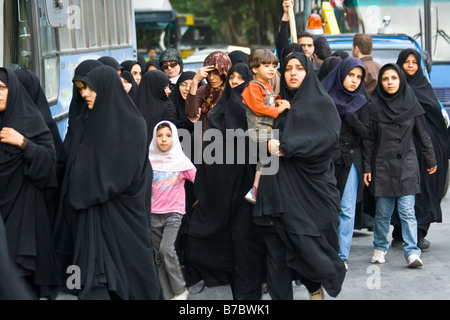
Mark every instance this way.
x=56 y=12
x=427 y=59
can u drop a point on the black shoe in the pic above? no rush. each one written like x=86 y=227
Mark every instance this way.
x=397 y=243
x=424 y=244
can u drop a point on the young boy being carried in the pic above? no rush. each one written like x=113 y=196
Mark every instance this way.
x=263 y=105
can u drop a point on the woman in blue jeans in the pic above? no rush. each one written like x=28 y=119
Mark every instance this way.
x=344 y=85
x=391 y=166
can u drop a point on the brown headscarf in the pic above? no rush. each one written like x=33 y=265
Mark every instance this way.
x=222 y=64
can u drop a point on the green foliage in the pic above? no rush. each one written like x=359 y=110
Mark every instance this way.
x=240 y=22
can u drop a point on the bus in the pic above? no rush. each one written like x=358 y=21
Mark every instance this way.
x=423 y=20
x=51 y=37
x=160 y=27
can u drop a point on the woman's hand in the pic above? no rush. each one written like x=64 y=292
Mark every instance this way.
x=432 y=170
x=282 y=105
x=202 y=73
x=197 y=116
x=367 y=178
x=274 y=147
x=12 y=137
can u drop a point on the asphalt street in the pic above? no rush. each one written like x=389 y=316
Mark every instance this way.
x=366 y=281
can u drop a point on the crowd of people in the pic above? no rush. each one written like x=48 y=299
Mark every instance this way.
x=357 y=145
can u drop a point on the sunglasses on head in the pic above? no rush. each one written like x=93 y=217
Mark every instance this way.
x=166 y=65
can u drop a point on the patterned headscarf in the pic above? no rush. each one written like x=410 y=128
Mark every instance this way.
x=222 y=63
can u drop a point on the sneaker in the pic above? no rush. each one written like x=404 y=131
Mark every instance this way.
x=251 y=197
x=346 y=265
x=378 y=256
x=414 y=261
x=181 y=296
x=424 y=244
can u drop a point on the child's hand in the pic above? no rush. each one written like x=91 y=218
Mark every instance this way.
x=282 y=105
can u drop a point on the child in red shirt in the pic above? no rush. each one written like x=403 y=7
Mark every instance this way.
x=263 y=105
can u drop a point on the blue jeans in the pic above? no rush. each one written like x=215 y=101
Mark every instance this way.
x=347 y=213
x=384 y=209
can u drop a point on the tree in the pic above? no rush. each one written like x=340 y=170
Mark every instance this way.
x=250 y=22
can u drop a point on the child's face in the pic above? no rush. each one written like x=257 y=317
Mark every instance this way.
x=164 y=139
x=265 y=72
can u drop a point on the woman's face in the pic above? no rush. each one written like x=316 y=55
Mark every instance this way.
x=3 y=96
x=171 y=68
x=294 y=73
x=185 y=86
x=390 y=81
x=136 y=72
x=410 y=66
x=214 y=79
x=86 y=93
x=353 y=79
x=167 y=90
x=236 y=79
x=164 y=139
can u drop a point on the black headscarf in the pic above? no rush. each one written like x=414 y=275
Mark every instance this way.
x=130 y=79
x=176 y=98
x=129 y=64
x=110 y=61
x=398 y=107
x=327 y=65
x=151 y=99
x=426 y=96
x=32 y=85
x=238 y=56
x=24 y=177
x=153 y=62
x=290 y=48
x=322 y=48
x=346 y=102
x=77 y=102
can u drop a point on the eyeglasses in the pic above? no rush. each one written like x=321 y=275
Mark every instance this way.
x=166 y=66
x=185 y=85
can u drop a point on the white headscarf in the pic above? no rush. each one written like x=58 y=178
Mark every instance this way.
x=173 y=160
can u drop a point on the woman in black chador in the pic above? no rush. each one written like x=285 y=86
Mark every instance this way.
x=106 y=196
x=297 y=209
x=428 y=201
x=223 y=246
x=27 y=170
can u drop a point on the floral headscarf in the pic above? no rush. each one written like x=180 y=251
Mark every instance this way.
x=222 y=64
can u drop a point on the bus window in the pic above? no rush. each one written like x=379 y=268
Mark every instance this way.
x=103 y=27
x=17 y=38
x=112 y=21
x=91 y=18
x=78 y=24
x=121 y=12
x=50 y=64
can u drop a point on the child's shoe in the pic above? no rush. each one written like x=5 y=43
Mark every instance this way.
x=251 y=195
